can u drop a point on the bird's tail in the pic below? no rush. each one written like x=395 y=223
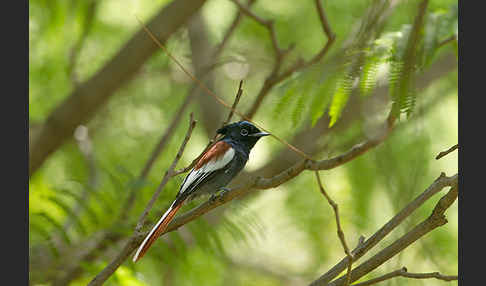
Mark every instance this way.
x=157 y=230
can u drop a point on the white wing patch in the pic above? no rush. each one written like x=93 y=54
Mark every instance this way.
x=211 y=166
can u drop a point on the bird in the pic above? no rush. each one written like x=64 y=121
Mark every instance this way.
x=212 y=172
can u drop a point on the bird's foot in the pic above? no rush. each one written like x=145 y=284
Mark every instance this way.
x=219 y=196
x=213 y=198
x=223 y=192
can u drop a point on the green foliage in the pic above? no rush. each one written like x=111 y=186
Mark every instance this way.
x=340 y=98
x=280 y=237
x=368 y=77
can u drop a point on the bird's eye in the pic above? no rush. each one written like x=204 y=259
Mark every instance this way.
x=244 y=132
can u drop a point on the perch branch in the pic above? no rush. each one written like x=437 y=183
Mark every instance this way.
x=255 y=184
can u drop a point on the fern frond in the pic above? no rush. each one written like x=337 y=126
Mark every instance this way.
x=409 y=103
x=46 y=236
x=57 y=226
x=368 y=78
x=69 y=212
x=340 y=98
x=321 y=100
x=299 y=107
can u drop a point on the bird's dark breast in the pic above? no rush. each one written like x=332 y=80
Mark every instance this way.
x=221 y=178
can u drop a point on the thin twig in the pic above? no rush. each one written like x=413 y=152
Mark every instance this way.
x=217 y=98
x=168 y=174
x=447 y=41
x=213 y=140
x=76 y=49
x=235 y=103
x=164 y=139
x=403 y=273
x=137 y=237
x=339 y=229
x=443 y=153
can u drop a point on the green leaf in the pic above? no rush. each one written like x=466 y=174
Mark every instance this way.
x=368 y=76
x=298 y=110
x=340 y=99
x=321 y=100
x=284 y=102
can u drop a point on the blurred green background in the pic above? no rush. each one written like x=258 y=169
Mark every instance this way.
x=281 y=236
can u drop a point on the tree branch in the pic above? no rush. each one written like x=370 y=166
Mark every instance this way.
x=88 y=97
x=441 y=182
x=260 y=183
x=403 y=273
x=435 y=220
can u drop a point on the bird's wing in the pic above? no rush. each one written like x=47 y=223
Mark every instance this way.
x=213 y=160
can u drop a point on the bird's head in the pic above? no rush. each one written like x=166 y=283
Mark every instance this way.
x=243 y=132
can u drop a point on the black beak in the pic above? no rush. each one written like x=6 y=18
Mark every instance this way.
x=259 y=134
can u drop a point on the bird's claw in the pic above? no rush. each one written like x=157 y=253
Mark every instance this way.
x=223 y=192
x=212 y=198
x=219 y=196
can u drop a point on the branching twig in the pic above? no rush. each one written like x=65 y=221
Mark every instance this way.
x=137 y=237
x=441 y=182
x=436 y=219
x=339 y=229
x=403 y=273
x=443 y=153
x=275 y=75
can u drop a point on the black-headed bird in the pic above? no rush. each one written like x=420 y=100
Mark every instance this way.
x=213 y=171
